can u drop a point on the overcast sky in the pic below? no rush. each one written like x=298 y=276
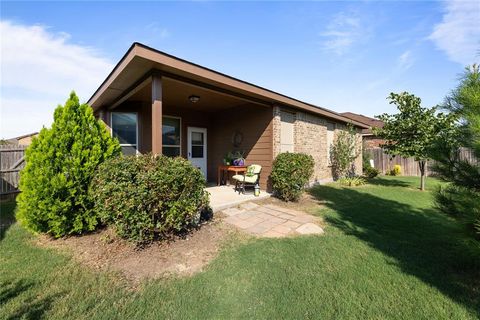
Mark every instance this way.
x=345 y=56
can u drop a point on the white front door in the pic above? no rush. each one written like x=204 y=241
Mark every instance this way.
x=197 y=148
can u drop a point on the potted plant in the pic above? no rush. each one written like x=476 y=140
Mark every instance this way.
x=238 y=159
x=228 y=159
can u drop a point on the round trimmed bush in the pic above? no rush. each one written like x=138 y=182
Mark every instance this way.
x=147 y=197
x=290 y=174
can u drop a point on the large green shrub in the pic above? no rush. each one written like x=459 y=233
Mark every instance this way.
x=146 y=197
x=59 y=165
x=290 y=174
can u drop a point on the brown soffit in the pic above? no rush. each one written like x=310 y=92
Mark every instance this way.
x=145 y=59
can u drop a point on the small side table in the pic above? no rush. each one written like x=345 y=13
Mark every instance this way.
x=222 y=169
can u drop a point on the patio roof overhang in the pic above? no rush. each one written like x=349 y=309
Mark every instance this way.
x=134 y=71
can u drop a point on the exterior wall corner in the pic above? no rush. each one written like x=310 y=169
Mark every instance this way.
x=276 y=130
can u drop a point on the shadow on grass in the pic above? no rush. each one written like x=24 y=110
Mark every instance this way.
x=31 y=308
x=11 y=290
x=379 y=181
x=7 y=216
x=424 y=243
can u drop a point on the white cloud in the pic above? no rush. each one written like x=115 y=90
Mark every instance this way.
x=39 y=68
x=459 y=32
x=343 y=31
x=156 y=30
x=405 y=61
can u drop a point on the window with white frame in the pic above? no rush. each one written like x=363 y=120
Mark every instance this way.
x=171 y=136
x=330 y=138
x=125 y=129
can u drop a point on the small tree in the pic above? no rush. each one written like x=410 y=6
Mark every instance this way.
x=343 y=152
x=60 y=163
x=411 y=132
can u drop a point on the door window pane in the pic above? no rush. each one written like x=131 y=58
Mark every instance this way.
x=124 y=127
x=197 y=151
x=197 y=138
x=171 y=131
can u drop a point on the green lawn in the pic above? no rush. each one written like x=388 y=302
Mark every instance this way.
x=386 y=254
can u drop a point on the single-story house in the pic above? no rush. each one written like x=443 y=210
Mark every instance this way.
x=155 y=102
x=370 y=140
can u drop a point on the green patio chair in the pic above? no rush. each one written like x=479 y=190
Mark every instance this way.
x=250 y=178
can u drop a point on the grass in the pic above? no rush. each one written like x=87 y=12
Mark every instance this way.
x=386 y=254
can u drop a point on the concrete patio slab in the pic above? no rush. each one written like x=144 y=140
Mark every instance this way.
x=248 y=205
x=223 y=197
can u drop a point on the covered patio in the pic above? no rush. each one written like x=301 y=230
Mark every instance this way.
x=224 y=197
x=178 y=116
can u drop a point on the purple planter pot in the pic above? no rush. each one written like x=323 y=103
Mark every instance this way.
x=238 y=162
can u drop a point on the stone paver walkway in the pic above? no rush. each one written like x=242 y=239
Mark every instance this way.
x=271 y=220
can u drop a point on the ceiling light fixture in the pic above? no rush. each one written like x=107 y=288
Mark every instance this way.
x=194 y=99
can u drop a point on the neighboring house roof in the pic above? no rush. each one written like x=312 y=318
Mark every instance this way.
x=140 y=61
x=19 y=139
x=370 y=122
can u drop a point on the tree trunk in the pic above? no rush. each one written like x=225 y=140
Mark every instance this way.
x=422 y=164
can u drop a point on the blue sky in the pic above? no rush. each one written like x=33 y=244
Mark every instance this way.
x=345 y=56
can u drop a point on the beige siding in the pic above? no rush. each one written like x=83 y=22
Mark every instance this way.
x=287 y=122
x=255 y=125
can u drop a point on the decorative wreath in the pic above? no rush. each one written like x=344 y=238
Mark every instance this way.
x=237 y=139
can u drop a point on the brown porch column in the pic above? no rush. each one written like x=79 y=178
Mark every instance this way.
x=156 y=114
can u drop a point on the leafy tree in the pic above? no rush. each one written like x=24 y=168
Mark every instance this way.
x=411 y=132
x=60 y=163
x=343 y=153
x=462 y=196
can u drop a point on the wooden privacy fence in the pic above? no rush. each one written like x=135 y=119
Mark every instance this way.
x=11 y=162
x=384 y=163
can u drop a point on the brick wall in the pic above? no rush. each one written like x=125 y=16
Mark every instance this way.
x=310 y=136
x=276 y=131
x=372 y=141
